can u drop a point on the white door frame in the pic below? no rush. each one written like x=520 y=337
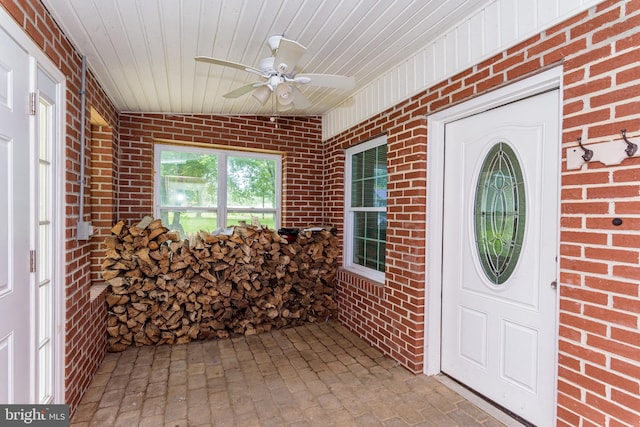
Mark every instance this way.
x=39 y=59
x=544 y=81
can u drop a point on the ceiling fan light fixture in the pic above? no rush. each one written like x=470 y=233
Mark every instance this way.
x=274 y=42
x=283 y=68
x=262 y=94
x=284 y=93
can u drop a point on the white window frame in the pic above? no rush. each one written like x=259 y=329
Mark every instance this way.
x=222 y=156
x=349 y=226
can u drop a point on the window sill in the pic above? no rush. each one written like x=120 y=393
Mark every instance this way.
x=96 y=291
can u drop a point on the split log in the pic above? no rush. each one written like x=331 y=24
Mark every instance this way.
x=164 y=290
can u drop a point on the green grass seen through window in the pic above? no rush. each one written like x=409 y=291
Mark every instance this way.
x=192 y=222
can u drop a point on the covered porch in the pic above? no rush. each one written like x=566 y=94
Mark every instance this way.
x=318 y=374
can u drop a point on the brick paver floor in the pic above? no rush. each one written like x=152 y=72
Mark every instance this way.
x=311 y=375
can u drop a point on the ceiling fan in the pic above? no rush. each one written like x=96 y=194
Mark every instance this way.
x=279 y=76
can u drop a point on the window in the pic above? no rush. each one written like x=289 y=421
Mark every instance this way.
x=45 y=271
x=500 y=213
x=205 y=189
x=365 y=208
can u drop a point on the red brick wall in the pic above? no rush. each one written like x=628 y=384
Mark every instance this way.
x=85 y=347
x=103 y=195
x=599 y=345
x=391 y=317
x=298 y=139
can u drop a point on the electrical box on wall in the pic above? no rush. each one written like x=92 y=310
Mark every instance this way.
x=84 y=230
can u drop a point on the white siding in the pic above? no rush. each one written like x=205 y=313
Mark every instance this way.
x=492 y=29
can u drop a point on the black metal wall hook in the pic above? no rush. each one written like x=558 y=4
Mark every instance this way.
x=631 y=147
x=588 y=154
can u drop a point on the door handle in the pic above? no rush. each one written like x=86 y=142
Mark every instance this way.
x=554 y=284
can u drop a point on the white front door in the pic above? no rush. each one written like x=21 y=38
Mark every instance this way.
x=15 y=298
x=500 y=237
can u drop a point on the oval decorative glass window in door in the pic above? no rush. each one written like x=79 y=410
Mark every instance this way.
x=499 y=213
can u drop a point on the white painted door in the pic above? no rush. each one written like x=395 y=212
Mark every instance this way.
x=15 y=339
x=500 y=239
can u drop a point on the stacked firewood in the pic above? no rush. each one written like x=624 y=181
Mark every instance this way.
x=165 y=290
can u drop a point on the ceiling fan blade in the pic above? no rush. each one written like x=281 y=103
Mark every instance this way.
x=287 y=56
x=242 y=90
x=299 y=100
x=231 y=64
x=326 y=80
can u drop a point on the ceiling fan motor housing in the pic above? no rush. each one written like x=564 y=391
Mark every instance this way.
x=274 y=81
x=266 y=65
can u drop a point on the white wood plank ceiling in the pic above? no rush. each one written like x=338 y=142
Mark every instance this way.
x=142 y=50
